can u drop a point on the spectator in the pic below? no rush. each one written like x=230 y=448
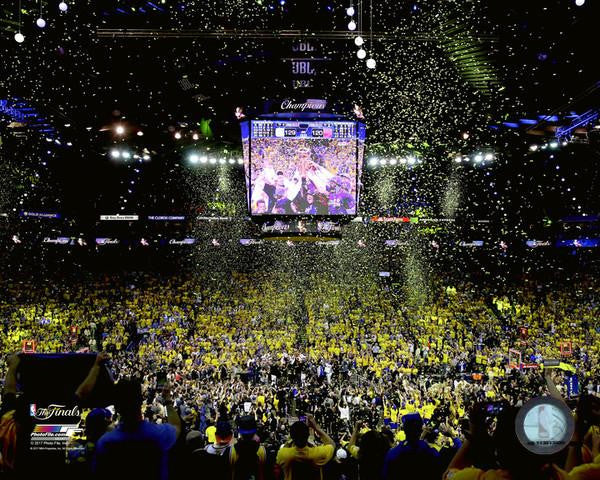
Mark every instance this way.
x=136 y=448
x=370 y=452
x=215 y=459
x=301 y=460
x=248 y=456
x=15 y=426
x=413 y=458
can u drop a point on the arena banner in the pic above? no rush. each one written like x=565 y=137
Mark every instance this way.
x=40 y=215
x=118 y=217
x=166 y=218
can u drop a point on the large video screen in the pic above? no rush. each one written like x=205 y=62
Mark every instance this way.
x=302 y=168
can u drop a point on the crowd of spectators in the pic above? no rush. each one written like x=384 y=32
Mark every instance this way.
x=255 y=377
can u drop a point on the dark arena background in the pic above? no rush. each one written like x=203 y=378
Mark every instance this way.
x=299 y=239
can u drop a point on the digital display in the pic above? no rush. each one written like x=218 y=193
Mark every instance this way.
x=544 y=425
x=302 y=168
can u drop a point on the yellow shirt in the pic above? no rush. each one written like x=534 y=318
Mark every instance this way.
x=315 y=456
x=478 y=474
x=211 y=434
x=589 y=471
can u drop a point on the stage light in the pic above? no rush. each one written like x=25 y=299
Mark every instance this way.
x=489 y=157
x=63 y=7
x=115 y=154
x=358 y=41
x=383 y=161
x=564 y=144
x=19 y=37
x=579 y=3
x=465 y=135
x=350 y=11
x=411 y=160
x=393 y=161
x=212 y=160
x=240 y=161
x=126 y=155
x=373 y=161
x=466 y=159
x=403 y=161
x=352 y=25
x=533 y=148
x=140 y=133
x=195 y=136
x=194 y=158
x=231 y=161
x=553 y=144
x=478 y=157
x=40 y=22
x=361 y=54
x=120 y=130
x=458 y=159
x=146 y=157
x=177 y=135
x=371 y=63
x=222 y=161
x=203 y=159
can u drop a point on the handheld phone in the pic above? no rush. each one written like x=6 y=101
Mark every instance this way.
x=492 y=409
x=161 y=379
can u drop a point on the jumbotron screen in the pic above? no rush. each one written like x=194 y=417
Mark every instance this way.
x=303 y=168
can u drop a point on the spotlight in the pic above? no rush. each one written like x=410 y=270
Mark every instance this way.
x=553 y=144
x=240 y=161
x=458 y=159
x=195 y=136
x=403 y=161
x=352 y=25
x=383 y=161
x=222 y=161
x=393 y=161
x=140 y=133
x=478 y=157
x=146 y=157
x=212 y=160
x=579 y=3
x=361 y=54
x=358 y=41
x=466 y=159
x=350 y=11
x=120 y=130
x=465 y=135
x=231 y=161
x=411 y=160
x=40 y=22
x=533 y=148
x=373 y=161
x=177 y=135
x=115 y=154
x=194 y=158
x=489 y=157
x=19 y=37
x=203 y=159
x=371 y=63
x=126 y=155
x=564 y=144
x=63 y=7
